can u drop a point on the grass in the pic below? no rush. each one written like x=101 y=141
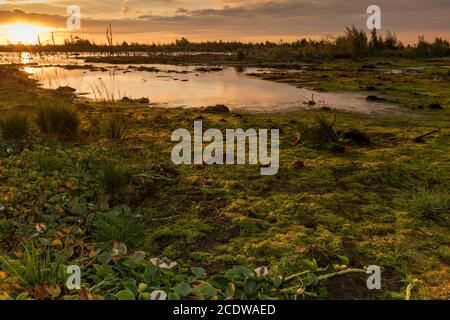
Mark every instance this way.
x=114 y=127
x=36 y=266
x=14 y=125
x=114 y=176
x=432 y=205
x=119 y=225
x=58 y=119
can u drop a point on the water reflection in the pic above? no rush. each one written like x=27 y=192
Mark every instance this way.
x=181 y=86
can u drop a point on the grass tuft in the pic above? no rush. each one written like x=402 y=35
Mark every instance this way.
x=36 y=266
x=14 y=125
x=432 y=205
x=114 y=176
x=114 y=127
x=59 y=119
x=119 y=225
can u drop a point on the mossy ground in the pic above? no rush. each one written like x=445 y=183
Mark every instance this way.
x=412 y=84
x=353 y=204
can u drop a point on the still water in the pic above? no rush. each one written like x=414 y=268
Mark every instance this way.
x=181 y=86
x=186 y=86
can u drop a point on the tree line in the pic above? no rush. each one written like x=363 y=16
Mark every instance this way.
x=355 y=43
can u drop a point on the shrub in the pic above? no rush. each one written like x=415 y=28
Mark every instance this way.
x=114 y=127
x=57 y=119
x=114 y=176
x=119 y=225
x=14 y=125
x=433 y=205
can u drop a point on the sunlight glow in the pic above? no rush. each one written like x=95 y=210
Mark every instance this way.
x=23 y=33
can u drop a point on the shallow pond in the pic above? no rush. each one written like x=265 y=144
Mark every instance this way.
x=183 y=86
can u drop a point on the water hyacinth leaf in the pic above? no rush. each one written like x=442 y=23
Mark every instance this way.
x=207 y=290
x=238 y=273
x=125 y=295
x=183 y=289
x=146 y=296
x=173 y=297
x=142 y=287
x=220 y=282
x=250 y=288
x=277 y=281
x=22 y=296
x=199 y=273
x=230 y=291
x=105 y=258
x=138 y=255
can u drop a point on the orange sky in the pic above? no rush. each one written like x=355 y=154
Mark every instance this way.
x=249 y=20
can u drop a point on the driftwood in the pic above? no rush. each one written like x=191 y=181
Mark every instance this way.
x=420 y=139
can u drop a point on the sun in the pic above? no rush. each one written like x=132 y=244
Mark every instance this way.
x=23 y=33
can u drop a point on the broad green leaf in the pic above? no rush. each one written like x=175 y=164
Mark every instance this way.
x=125 y=295
x=220 y=282
x=207 y=290
x=229 y=293
x=200 y=273
x=183 y=289
x=238 y=273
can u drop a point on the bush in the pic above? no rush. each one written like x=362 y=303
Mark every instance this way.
x=114 y=127
x=14 y=125
x=58 y=119
x=114 y=176
x=119 y=225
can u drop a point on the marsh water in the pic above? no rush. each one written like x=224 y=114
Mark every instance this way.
x=189 y=86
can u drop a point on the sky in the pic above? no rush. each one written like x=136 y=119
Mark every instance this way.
x=163 y=21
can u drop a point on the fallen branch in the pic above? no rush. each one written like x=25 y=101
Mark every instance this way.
x=420 y=139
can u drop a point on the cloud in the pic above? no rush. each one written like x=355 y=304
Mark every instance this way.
x=251 y=19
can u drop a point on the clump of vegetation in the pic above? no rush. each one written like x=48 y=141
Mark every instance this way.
x=114 y=176
x=57 y=118
x=319 y=133
x=433 y=205
x=36 y=266
x=14 y=125
x=119 y=225
x=47 y=162
x=114 y=127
